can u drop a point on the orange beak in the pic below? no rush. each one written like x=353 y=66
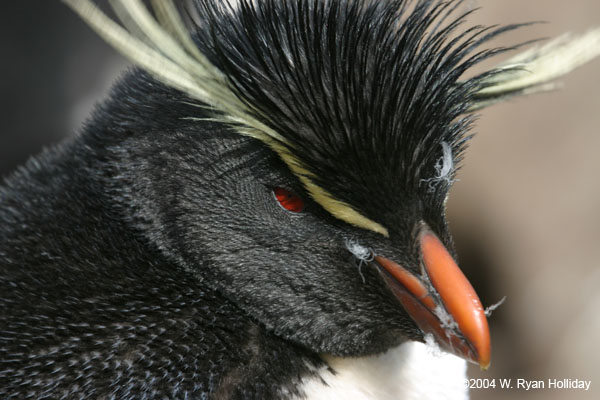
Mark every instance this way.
x=442 y=302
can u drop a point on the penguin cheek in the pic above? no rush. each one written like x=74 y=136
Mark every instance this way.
x=289 y=271
x=299 y=298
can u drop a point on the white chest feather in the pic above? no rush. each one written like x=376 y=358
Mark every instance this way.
x=410 y=371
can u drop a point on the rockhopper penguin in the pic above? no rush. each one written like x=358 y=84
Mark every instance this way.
x=257 y=211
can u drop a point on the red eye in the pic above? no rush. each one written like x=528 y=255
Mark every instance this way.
x=288 y=200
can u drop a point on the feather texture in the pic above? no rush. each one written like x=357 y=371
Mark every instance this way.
x=534 y=70
x=177 y=62
x=352 y=95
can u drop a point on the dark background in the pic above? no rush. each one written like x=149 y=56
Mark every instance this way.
x=525 y=213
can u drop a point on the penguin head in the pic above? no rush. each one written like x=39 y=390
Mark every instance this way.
x=227 y=208
x=315 y=224
x=296 y=156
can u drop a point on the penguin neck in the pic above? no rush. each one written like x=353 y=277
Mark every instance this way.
x=409 y=371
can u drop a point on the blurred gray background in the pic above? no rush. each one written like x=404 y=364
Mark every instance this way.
x=525 y=213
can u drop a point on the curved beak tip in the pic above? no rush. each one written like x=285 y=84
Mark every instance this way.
x=442 y=294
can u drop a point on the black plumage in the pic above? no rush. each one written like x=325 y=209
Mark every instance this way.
x=98 y=299
x=363 y=92
x=147 y=257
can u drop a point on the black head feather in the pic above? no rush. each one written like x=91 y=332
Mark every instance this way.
x=363 y=92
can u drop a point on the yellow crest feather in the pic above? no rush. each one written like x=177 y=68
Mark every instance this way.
x=164 y=48
x=533 y=70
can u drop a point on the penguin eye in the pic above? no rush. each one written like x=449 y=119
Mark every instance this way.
x=288 y=200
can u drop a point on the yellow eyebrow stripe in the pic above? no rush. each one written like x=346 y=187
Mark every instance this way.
x=339 y=209
x=165 y=49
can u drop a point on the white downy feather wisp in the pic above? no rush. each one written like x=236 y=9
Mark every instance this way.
x=444 y=168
